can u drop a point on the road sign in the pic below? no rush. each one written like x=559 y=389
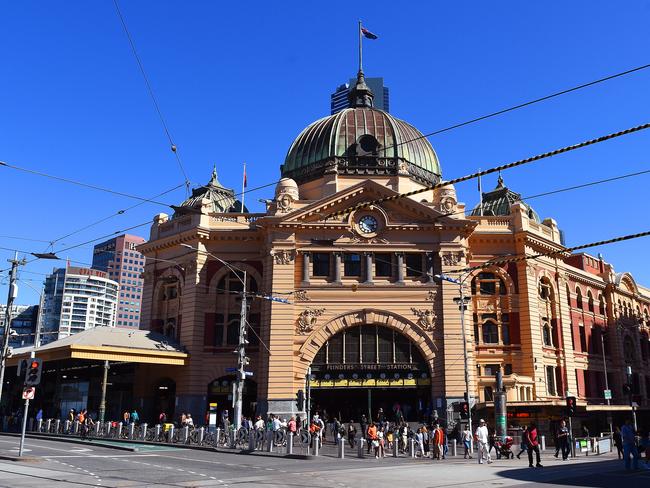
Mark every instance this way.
x=231 y=370
x=248 y=373
x=608 y=394
x=28 y=393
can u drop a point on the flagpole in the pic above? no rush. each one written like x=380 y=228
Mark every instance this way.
x=360 y=49
x=243 y=188
x=480 y=195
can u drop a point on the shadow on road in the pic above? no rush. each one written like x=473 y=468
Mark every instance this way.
x=605 y=474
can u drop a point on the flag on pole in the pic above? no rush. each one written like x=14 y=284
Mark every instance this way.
x=367 y=34
x=245 y=177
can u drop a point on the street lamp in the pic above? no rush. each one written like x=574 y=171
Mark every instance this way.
x=242 y=359
x=462 y=301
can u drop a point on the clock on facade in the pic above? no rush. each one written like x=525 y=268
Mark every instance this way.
x=368 y=224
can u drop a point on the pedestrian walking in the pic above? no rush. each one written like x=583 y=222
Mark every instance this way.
x=482 y=437
x=419 y=442
x=426 y=440
x=352 y=433
x=373 y=440
x=467 y=442
x=618 y=442
x=438 y=442
x=563 y=441
x=533 y=445
x=628 y=436
x=135 y=417
x=524 y=441
x=126 y=417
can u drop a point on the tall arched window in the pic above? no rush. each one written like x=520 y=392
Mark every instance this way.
x=578 y=298
x=590 y=301
x=490 y=332
x=601 y=305
x=547 y=335
x=547 y=313
x=488 y=284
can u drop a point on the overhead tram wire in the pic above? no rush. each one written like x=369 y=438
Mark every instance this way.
x=173 y=146
x=558 y=190
x=522 y=257
x=502 y=167
x=522 y=105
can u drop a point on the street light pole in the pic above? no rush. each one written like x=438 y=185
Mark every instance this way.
x=629 y=382
x=609 y=414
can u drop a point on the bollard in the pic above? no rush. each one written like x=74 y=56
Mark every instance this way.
x=218 y=435
x=97 y=425
x=170 y=433
x=360 y=448
x=131 y=430
x=316 y=446
x=454 y=448
x=231 y=439
x=412 y=448
x=341 y=448
x=157 y=438
x=290 y=443
x=395 y=447
x=543 y=443
x=39 y=425
x=119 y=430
x=48 y=425
x=76 y=426
x=66 y=427
x=186 y=434
x=201 y=435
x=251 y=440
x=144 y=431
x=269 y=441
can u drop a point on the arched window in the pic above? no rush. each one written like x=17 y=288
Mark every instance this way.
x=490 y=332
x=590 y=301
x=228 y=311
x=578 y=298
x=601 y=305
x=169 y=328
x=547 y=335
x=628 y=349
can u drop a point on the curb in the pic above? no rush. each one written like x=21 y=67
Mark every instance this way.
x=24 y=459
x=72 y=441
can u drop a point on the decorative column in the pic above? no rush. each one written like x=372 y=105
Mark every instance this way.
x=305 y=268
x=337 y=268
x=429 y=257
x=368 y=259
x=400 y=267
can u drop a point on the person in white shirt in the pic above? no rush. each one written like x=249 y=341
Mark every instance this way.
x=259 y=424
x=467 y=442
x=482 y=437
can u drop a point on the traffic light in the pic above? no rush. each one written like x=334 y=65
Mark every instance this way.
x=33 y=373
x=464 y=410
x=300 y=400
x=570 y=406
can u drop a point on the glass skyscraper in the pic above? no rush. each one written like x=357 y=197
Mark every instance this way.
x=339 y=99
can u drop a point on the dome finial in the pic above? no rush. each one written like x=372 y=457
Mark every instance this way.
x=214 y=181
x=500 y=181
x=360 y=94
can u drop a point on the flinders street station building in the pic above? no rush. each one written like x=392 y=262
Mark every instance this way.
x=366 y=325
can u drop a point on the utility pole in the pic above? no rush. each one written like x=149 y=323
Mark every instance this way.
x=11 y=296
x=242 y=359
x=462 y=301
x=629 y=393
x=609 y=413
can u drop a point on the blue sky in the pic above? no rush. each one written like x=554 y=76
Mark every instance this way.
x=237 y=82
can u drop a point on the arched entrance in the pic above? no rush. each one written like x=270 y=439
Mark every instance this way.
x=363 y=368
x=220 y=392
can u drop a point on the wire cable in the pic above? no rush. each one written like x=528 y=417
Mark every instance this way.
x=564 y=250
x=173 y=146
x=522 y=105
x=502 y=167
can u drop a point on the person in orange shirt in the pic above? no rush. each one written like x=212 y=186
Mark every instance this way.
x=438 y=442
x=373 y=439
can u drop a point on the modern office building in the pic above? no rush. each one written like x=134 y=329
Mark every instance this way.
x=119 y=258
x=23 y=321
x=77 y=299
x=339 y=100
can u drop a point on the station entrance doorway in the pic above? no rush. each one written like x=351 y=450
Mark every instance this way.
x=370 y=367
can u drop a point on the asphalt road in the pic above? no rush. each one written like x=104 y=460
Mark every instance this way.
x=61 y=464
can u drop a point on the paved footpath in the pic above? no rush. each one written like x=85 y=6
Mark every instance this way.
x=61 y=464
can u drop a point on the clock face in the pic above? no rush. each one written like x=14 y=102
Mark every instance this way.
x=368 y=224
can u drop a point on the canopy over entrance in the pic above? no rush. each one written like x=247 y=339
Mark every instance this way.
x=109 y=344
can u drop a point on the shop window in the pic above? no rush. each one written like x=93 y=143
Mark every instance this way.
x=321 y=264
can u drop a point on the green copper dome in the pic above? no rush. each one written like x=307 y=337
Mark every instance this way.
x=496 y=203
x=361 y=140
